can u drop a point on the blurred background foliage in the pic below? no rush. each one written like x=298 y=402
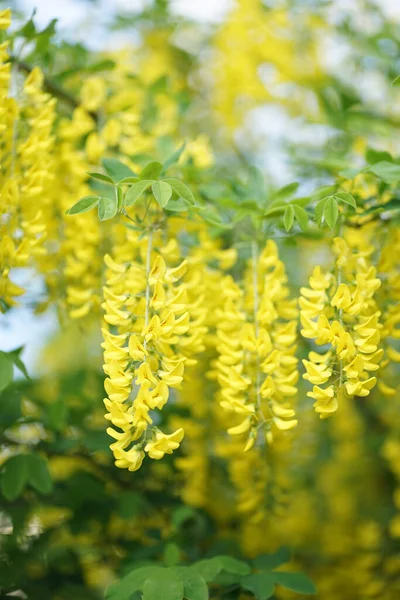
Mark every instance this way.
x=304 y=90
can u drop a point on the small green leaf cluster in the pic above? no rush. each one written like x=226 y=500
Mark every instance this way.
x=169 y=193
x=202 y=579
x=22 y=470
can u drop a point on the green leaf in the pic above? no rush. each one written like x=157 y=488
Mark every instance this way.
x=6 y=370
x=346 y=197
x=256 y=184
x=296 y=582
x=135 y=191
x=57 y=414
x=182 y=190
x=14 y=476
x=162 y=192
x=168 y=586
x=152 y=170
x=129 y=180
x=108 y=208
x=331 y=212
x=396 y=80
x=322 y=192
x=288 y=217
x=123 y=589
x=10 y=407
x=349 y=173
x=286 y=191
x=387 y=171
x=174 y=158
x=130 y=504
x=38 y=474
x=101 y=177
x=262 y=585
x=172 y=554
x=267 y=562
x=233 y=565
x=83 y=205
x=208 y=568
x=301 y=216
x=178 y=205
x=373 y=156
x=116 y=169
x=182 y=515
x=14 y=355
x=319 y=212
x=194 y=585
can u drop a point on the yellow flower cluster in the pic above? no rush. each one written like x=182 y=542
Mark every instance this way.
x=27 y=180
x=147 y=319
x=339 y=312
x=256 y=366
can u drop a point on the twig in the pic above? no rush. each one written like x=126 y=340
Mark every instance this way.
x=53 y=88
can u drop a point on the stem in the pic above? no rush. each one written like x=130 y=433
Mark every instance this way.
x=256 y=302
x=50 y=86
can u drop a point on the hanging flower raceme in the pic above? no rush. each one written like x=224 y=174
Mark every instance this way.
x=256 y=368
x=147 y=321
x=339 y=312
x=27 y=179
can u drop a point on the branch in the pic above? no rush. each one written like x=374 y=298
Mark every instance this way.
x=51 y=87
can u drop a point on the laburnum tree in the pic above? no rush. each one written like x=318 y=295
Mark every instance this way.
x=217 y=412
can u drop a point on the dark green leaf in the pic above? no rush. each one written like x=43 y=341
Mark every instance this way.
x=152 y=170
x=14 y=476
x=262 y=585
x=181 y=189
x=346 y=197
x=14 y=355
x=6 y=370
x=194 y=585
x=168 y=586
x=108 y=208
x=181 y=515
x=38 y=474
x=10 y=407
x=267 y=562
x=288 y=217
x=116 y=169
x=297 y=582
x=83 y=205
x=162 y=192
x=331 y=212
x=233 y=565
x=135 y=191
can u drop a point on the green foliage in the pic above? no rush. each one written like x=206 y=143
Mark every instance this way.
x=83 y=205
x=6 y=370
x=22 y=470
x=162 y=192
x=196 y=581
